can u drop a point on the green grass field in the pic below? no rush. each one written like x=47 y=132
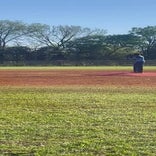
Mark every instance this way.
x=74 y=67
x=77 y=121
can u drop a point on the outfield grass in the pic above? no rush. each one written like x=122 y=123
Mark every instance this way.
x=78 y=121
x=67 y=67
x=74 y=67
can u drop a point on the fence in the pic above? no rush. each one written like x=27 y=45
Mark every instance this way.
x=76 y=63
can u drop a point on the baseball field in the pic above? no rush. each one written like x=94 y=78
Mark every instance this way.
x=77 y=111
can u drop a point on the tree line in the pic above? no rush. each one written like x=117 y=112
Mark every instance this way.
x=21 y=42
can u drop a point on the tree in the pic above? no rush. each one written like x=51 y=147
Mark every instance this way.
x=39 y=33
x=57 y=36
x=148 y=38
x=122 y=44
x=88 y=47
x=54 y=36
x=17 y=54
x=11 y=31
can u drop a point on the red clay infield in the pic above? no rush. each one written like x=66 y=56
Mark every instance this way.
x=76 y=77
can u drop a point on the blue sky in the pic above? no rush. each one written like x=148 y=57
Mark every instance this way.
x=115 y=16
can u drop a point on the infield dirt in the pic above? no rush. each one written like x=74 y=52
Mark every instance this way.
x=76 y=77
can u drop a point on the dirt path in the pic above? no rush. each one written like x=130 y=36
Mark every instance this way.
x=75 y=77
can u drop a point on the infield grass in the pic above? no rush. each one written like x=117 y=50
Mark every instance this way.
x=77 y=121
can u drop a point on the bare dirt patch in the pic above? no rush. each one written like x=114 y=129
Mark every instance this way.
x=76 y=77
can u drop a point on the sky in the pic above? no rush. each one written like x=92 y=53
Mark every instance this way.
x=114 y=16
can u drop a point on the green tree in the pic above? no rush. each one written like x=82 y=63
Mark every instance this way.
x=88 y=47
x=17 y=54
x=148 y=39
x=122 y=41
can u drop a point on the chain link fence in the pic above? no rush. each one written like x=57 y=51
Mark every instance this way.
x=76 y=63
